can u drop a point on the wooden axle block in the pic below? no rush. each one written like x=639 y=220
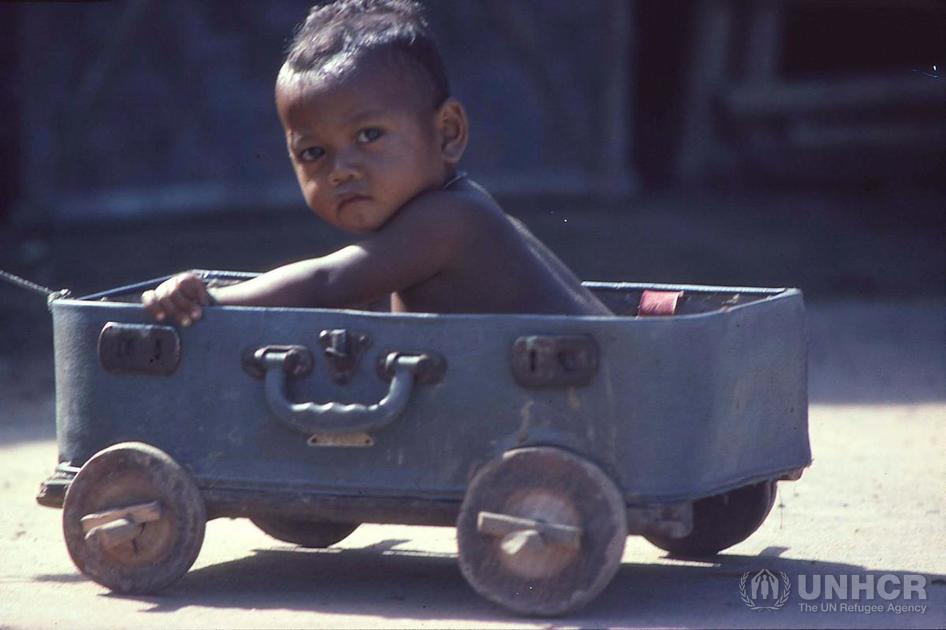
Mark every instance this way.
x=114 y=533
x=523 y=540
x=519 y=532
x=136 y=514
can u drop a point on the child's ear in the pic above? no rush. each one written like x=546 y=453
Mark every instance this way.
x=453 y=129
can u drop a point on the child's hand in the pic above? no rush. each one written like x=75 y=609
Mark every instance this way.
x=179 y=299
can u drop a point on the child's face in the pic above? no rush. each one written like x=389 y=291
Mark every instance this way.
x=362 y=146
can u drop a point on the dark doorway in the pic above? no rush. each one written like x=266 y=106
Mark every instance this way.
x=662 y=57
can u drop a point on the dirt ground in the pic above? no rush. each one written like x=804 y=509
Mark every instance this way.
x=872 y=504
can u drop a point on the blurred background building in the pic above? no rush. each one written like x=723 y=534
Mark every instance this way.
x=141 y=108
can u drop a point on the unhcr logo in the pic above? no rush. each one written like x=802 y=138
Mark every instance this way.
x=764 y=590
x=841 y=593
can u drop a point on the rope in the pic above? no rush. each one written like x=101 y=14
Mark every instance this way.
x=23 y=283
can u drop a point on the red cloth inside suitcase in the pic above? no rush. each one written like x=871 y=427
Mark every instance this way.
x=656 y=303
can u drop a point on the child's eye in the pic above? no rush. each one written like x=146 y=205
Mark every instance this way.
x=369 y=135
x=311 y=154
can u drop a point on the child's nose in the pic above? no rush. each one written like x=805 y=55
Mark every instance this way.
x=344 y=168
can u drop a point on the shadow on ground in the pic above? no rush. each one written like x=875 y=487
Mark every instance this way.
x=424 y=586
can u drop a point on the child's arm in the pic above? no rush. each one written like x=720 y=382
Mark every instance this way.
x=413 y=246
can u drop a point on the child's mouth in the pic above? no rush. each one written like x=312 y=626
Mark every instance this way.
x=347 y=200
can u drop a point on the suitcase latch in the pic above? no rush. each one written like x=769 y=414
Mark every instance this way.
x=554 y=360
x=139 y=349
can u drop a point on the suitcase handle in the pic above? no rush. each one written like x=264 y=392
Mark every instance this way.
x=333 y=417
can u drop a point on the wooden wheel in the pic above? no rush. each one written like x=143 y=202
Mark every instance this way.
x=541 y=531
x=721 y=521
x=133 y=519
x=304 y=532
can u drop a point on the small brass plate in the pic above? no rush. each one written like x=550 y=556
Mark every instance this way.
x=347 y=440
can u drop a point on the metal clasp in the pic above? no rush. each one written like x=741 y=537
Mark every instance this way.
x=343 y=349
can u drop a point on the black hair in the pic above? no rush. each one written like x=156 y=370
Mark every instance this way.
x=356 y=29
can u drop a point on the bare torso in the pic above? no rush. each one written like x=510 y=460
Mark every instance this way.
x=498 y=267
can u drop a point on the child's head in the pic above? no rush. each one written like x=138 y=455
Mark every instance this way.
x=365 y=102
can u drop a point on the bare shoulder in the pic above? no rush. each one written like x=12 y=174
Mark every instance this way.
x=463 y=206
x=447 y=217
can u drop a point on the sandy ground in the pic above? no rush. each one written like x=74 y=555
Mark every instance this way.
x=872 y=504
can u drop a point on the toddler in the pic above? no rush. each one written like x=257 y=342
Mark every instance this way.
x=375 y=139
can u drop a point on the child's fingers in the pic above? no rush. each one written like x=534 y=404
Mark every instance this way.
x=195 y=289
x=164 y=295
x=184 y=307
x=150 y=301
x=178 y=299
